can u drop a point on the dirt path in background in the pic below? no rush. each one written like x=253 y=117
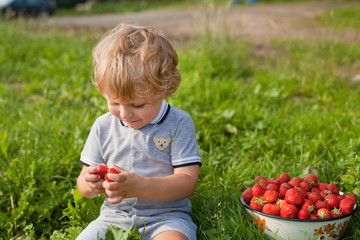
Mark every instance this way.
x=256 y=22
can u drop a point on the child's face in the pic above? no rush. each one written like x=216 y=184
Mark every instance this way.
x=137 y=112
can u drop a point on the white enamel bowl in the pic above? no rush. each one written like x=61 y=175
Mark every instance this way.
x=276 y=227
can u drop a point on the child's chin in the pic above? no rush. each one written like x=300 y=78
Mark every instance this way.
x=135 y=125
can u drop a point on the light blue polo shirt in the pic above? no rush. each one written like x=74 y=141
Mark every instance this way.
x=152 y=151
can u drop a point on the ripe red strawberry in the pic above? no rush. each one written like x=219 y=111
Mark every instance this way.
x=322 y=186
x=247 y=195
x=332 y=188
x=102 y=170
x=324 y=193
x=271 y=208
x=332 y=201
x=305 y=185
x=321 y=204
x=273 y=186
x=285 y=176
x=315 y=189
x=284 y=188
x=281 y=203
x=323 y=213
x=335 y=212
x=256 y=179
x=272 y=180
x=340 y=197
x=257 y=203
x=301 y=190
x=270 y=196
x=289 y=211
x=261 y=180
x=313 y=196
x=308 y=206
x=295 y=181
x=293 y=196
x=111 y=170
x=303 y=214
x=346 y=206
x=280 y=181
x=257 y=190
x=313 y=216
x=312 y=180
x=351 y=197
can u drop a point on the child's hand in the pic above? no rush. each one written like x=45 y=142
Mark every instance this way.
x=123 y=185
x=94 y=180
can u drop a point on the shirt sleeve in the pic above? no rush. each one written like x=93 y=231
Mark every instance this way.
x=184 y=146
x=91 y=153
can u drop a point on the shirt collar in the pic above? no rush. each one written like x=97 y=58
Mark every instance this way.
x=162 y=113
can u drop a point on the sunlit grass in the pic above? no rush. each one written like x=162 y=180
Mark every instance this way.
x=340 y=18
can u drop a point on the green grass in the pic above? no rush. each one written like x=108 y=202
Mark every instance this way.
x=254 y=115
x=340 y=18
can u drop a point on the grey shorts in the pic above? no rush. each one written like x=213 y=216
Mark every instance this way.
x=186 y=226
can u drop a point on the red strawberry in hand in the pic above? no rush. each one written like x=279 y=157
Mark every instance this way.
x=111 y=170
x=102 y=170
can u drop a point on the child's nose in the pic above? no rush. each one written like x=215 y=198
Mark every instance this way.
x=125 y=113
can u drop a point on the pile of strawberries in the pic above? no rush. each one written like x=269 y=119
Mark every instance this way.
x=298 y=198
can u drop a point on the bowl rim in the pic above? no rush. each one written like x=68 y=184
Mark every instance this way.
x=295 y=219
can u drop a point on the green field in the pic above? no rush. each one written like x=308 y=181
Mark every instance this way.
x=255 y=115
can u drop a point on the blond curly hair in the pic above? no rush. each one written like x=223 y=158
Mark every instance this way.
x=132 y=61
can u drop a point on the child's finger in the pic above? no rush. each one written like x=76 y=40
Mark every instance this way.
x=115 y=200
x=93 y=169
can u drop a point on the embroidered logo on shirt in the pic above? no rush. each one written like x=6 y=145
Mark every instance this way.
x=161 y=143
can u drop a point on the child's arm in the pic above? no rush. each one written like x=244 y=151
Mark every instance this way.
x=89 y=182
x=180 y=185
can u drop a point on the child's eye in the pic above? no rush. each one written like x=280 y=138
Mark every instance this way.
x=139 y=106
x=113 y=103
